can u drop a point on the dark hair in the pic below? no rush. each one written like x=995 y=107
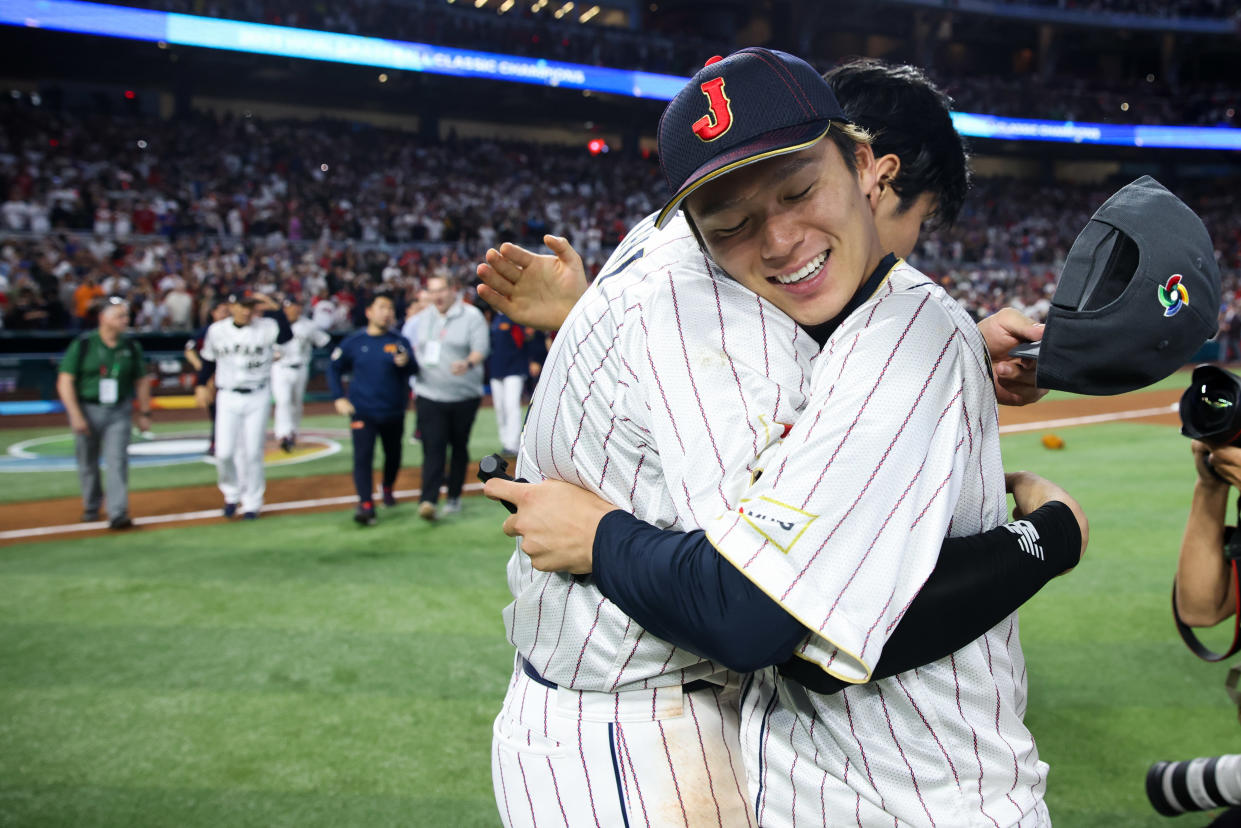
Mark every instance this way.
x=381 y=295
x=908 y=116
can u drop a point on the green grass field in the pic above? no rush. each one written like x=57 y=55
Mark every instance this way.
x=302 y=671
x=19 y=486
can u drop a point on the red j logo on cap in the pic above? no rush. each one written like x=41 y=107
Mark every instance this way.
x=719 y=119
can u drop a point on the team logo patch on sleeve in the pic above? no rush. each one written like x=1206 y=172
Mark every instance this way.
x=1027 y=537
x=781 y=524
x=336 y=354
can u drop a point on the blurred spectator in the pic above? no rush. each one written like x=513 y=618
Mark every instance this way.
x=178 y=305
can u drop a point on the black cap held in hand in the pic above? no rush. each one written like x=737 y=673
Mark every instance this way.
x=752 y=105
x=1138 y=296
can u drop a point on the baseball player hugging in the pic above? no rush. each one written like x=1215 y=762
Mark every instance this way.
x=291 y=370
x=826 y=483
x=238 y=352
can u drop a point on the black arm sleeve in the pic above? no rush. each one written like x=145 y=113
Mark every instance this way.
x=206 y=372
x=678 y=587
x=286 y=330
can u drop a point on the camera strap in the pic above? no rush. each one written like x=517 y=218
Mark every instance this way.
x=1232 y=550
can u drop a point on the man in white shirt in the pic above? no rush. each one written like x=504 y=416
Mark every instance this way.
x=451 y=342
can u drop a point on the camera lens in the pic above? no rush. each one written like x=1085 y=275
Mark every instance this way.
x=1211 y=407
x=1216 y=406
x=1195 y=784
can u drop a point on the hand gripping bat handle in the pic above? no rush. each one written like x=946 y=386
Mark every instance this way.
x=493 y=465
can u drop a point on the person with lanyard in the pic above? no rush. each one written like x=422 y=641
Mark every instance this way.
x=381 y=363
x=100 y=374
x=452 y=343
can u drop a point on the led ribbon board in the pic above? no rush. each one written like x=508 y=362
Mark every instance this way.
x=286 y=41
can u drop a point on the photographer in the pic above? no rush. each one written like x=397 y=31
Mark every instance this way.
x=1206 y=589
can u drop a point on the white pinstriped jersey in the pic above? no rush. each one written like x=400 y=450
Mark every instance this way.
x=662 y=388
x=242 y=355
x=898 y=447
x=306 y=337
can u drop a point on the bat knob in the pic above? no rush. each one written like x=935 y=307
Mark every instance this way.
x=493 y=465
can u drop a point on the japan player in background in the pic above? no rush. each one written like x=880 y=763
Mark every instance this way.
x=517 y=353
x=193 y=347
x=238 y=353
x=614 y=428
x=291 y=370
x=381 y=363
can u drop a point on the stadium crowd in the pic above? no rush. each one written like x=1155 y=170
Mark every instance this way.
x=1064 y=97
x=330 y=212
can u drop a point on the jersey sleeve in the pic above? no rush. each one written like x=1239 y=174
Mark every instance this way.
x=207 y=352
x=69 y=362
x=141 y=366
x=845 y=524
x=480 y=335
x=338 y=366
x=715 y=397
x=318 y=336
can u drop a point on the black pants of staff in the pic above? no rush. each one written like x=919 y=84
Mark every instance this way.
x=442 y=425
x=364 y=434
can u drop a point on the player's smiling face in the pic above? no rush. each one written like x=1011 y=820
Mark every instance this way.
x=796 y=229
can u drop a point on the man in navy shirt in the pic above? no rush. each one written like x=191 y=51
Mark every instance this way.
x=381 y=363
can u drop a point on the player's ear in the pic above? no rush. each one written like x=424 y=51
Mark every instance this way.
x=867 y=169
x=888 y=168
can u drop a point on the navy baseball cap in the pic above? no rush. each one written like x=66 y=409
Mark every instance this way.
x=752 y=105
x=1138 y=296
x=244 y=297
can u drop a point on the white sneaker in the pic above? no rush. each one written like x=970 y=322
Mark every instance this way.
x=452 y=505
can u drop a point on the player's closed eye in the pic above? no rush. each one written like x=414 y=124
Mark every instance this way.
x=729 y=232
x=802 y=194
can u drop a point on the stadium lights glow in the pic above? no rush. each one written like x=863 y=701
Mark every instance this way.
x=588 y=14
x=565 y=9
x=257 y=38
x=478 y=4
x=383 y=77
x=506 y=5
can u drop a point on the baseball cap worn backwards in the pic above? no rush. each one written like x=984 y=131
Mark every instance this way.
x=752 y=105
x=1138 y=296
